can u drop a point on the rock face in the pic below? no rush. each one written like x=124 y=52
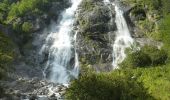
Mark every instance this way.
x=142 y=20
x=96 y=34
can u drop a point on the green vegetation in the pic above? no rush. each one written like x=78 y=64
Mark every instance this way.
x=156 y=76
x=148 y=14
x=27 y=26
x=21 y=14
x=136 y=59
x=155 y=79
x=10 y=10
x=107 y=86
x=18 y=12
x=147 y=56
x=22 y=7
x=158 y=57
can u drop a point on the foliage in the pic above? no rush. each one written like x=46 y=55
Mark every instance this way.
x=147 y=56
x=136 y=59
x=154 y=10
x=4 y=7
x=112 y=86
x=165 y=7
x=27 y=26
x=125 y=84
x=164 y=29
x=151 y=4
x=155 y=79
x=158 y=57
x=22 y=7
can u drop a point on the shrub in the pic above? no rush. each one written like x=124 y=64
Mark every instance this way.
x=147 y=56
x=26 y=27
x=158 y=57
x=20 y=8
x=4 y=6
x=113 y=86
x=136 y=59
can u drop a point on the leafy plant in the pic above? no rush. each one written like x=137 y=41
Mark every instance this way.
x=113 y=86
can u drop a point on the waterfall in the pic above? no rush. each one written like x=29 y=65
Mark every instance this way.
x=75 y=71
x=61 y=48
x=123 y=38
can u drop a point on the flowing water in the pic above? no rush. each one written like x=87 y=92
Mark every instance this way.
x=123 y=38
x=60 y=44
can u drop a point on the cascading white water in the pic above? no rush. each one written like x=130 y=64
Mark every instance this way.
x=106 y=1
x=61 y=49
x=123 y=38
x=75 y=71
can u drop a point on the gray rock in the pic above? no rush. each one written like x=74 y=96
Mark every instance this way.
x=96 y=34
x=32 y=89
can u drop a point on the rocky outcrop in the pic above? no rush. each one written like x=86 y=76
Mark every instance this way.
x=96 y=34
x=142 y=18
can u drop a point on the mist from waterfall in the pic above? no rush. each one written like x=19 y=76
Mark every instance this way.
x=123 y=38
x=60 y=44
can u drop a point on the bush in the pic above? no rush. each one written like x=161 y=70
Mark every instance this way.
x=136 y=59
x=113 y=86
x=3 y=9
x=158 y=57
x=26 y=27
x=147 y=56
x=20 y=8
